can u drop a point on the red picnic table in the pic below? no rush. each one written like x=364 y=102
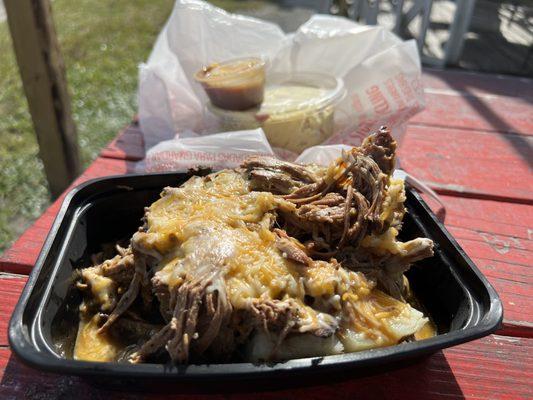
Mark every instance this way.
x=473 y=145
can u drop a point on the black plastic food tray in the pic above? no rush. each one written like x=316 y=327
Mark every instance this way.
x=449 y=286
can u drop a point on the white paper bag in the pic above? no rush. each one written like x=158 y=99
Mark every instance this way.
x=223 y=150
x=381 y=73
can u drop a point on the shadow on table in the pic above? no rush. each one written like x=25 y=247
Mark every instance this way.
x=466 y=86
x=128 y=145
x=427 y=378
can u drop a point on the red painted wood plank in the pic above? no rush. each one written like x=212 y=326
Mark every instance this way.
x=507 y=265
x=128 y=145
x=10 y=289
x=445 y=108
x=476 y=83
x=480 y=91
x=505 y=219
x=492 y=367
x=495 y=247
x=498 y=238
x=468 y=100
x=21 y=257
x=484 y=164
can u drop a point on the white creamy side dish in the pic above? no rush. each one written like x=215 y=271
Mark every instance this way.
x=292 y=120
x=292 y=117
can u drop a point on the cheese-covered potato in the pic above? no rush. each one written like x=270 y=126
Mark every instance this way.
x=273 y=261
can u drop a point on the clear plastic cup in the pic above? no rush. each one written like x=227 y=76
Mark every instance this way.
x=297 y=112
x=235 y=84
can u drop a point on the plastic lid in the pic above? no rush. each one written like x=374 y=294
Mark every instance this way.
x=232 y=70
x=302 y=91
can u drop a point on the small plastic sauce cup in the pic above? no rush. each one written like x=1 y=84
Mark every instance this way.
x=234 y=85
x=297 y=112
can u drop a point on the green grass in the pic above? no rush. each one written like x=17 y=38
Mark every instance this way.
x=102 y=43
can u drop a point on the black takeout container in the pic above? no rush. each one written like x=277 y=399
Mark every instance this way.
x=449 y=286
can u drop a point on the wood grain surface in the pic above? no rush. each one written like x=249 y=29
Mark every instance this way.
x=128 y=145
x=470 y=112
x=476 y=84
x=10 y=289
x=474 y=163
x=495 y=367
x=473 y=145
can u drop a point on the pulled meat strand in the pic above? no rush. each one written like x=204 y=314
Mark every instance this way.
x=347 y=209
x=381 y=147
x=338 y=210
x=218 y=313
x=371 y=183
x=332 y=213
x=290 y=249
x=357 y=231
x=152 y=345
x=275 y=316
x=295 y=171
x=129 y=296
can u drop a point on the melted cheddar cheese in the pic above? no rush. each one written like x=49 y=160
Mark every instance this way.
x=216 y=228
x=92 y=346
x=220 y=222
x=102 y=288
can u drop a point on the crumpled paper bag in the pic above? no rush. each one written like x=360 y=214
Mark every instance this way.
x=381 y=72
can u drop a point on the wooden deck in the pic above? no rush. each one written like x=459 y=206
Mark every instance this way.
x=473 y=145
